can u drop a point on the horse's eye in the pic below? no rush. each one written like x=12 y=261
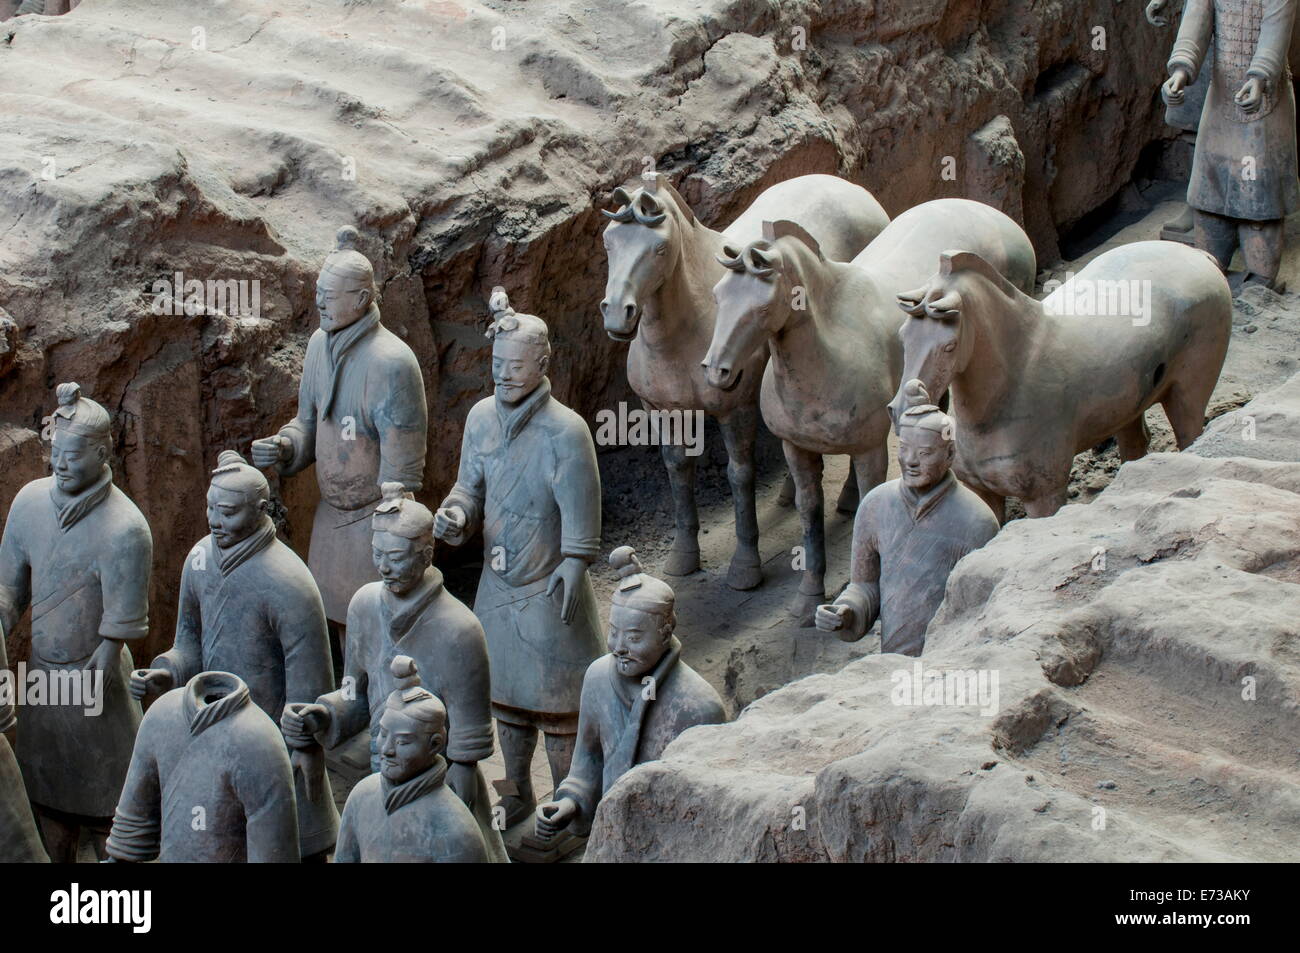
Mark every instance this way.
x=950 y=347
x=661 y=250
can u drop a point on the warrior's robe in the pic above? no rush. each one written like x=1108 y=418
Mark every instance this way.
x=624 y=723
x=528 y=478
x=905 y=544
x=254 y=611
x=362 y=420
x=445 y=639
x=420 y=821
x=19 y=841
x=82 y=563
x=1251 y=38
x=210 y=780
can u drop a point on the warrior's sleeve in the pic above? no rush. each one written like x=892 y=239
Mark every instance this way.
x=304 y=639
x=184 y=659
x=862 y=594
x=350 y=705
x=301 y=431
x=468 y=696
x=347 y=850
x=137 y=822
x=1195 y=33
x=586 y=772
x=15 y=571
x=471 y=485
x=1270 y=60
x=402 y=419
x=577 y=492
x=8 y=714
x=124 y=580
x=264 y=785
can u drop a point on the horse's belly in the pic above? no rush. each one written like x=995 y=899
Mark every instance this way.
x=822 y=425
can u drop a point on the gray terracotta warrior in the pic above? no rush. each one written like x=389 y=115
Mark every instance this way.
x=78 y=552
x=405 y=814
x=362 y=419
x=528 y=479
x=1244 y=176
x=635 y=700
x=210 y=781
x=411 y=614
x=249 y=606
x=908 y=535
x=19 y=841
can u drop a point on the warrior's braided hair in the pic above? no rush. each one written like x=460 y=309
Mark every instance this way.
x=922 y=413
x=507 y=322
x=637 y=589
x=81 y=415
x=348 y=263
x=401 y=515
x=411 y=698
x=234 y=473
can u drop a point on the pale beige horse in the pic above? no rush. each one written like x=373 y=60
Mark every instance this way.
x=1034 y=383
x=662 y=269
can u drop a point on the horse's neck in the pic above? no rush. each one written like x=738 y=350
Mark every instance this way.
x=681 y=312
x=818 y=335
x=1005 y=332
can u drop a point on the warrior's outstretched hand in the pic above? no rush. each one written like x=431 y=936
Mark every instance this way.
x=271 y=451
x=302 y=722
x=1174 y=89
x=569 y=575
x=145 y=680
x=449 y=521
x=1154 y=10
x=1251 y=95
x=554 y=816
x=833 y=617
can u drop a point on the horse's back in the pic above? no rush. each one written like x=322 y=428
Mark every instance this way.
x=908 y=250
x=843 y=217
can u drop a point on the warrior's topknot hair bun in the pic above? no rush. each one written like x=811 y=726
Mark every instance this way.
x=347 y=238
x=624 y=562
x=68 y=394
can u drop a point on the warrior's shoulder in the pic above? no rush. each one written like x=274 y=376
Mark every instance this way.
x=564 y=421
x=481 y=416
x=127 y=516
x=30 y=495
x=366 y=599
x=703 y=704
x=880 y=497
x=387 y=350
x=972 y=509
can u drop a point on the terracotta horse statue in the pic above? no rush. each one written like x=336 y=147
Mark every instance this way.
x=662 y=269
x=1033 y=383
x=832 y=333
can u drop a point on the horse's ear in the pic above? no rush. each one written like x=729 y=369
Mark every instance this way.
x=945 y=308
x=648 y=209
x=621 y=196
x=731 y=258
x=624 y=211
x=760 y=262
x=913 y=302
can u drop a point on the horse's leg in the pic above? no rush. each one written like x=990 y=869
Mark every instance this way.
x=1133 y=438
x=1047 y=504
x=786 y=496
x=1185 y=407
x=871 y=467
x=684 y=556
x=848 y=500
x=739 y=432
x=996 y=501
x=807 y=471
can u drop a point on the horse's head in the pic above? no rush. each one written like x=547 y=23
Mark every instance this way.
x=642 y=242
x=753 y=298
x=937 y=337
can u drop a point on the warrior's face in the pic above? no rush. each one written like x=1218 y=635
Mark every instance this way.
x=406 y=747
x=77 y=461
x=518 y=367
x=637 y=640
x=924 y=456
x=401 y=562
x=232 y=515
x=340 y=301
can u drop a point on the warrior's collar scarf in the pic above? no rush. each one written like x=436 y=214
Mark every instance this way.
x=919 y=504
x=514 y=419
x=228 y=695
x=72 y=507
x=338 y=343
x=399 y=795
x=231 y=558
x=399 y=613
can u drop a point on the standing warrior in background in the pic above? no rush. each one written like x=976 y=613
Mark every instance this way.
x=635 y=700
x=528 y=478
x=404 y=814
x=1244 y=176
x=84 y=547
x=361 y=419
x=908 y=535
x=409 y=613
x=249 y=606
x=19 y=841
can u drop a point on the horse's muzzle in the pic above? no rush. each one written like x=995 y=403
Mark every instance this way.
x=620 y=323
x=721 y=377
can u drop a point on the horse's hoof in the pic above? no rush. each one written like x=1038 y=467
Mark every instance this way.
x=681 y=563
x=744 y=576
x=803 y=609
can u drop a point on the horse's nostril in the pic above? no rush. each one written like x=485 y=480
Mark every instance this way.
x=629 y=311
x=604 y=308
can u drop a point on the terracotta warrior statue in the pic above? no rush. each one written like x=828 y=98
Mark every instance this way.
x=361 y=419
x=249 y=606
x=635 y=700
x=908 y=535
x=78 y=552
x=405 y=814
x=1244 y=175
x=528 y=479
x=19 y=841
x=210 y=781
x=409 y=613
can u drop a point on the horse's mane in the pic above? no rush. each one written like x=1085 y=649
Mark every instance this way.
x=659 y=185
x=783 y=228
x=958 y=261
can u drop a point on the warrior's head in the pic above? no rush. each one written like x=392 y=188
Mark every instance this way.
x=82 y=438
x=239 y=500
x=641 y=619
x=402 y=540
x=413 y=727
x=925 y=439
x=345 y=287
x=521 y=350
